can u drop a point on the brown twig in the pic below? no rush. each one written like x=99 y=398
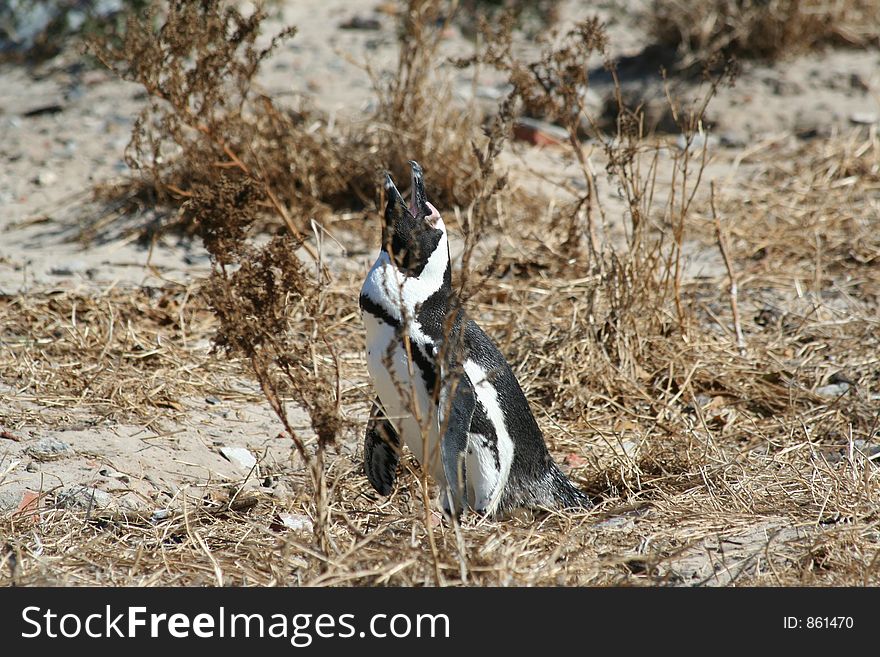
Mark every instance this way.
x=721 y=239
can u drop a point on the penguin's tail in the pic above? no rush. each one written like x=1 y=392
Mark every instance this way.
x=548 y=489
x=565 y=494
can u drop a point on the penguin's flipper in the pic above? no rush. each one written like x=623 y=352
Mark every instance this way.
x=456 y=415
x=381 y=451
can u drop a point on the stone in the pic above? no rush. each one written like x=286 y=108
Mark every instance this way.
x=864 y=118
x=46 y=178
x=833 y=390
x=49 y=449
x=296 y=521
x=361 y=23
x=856 y=81
x=698 y=142
x=84 y=497
x=9 y=500
x=239 y=456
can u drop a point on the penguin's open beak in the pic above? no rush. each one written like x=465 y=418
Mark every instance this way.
x=419 y=199
x=391 y=190
x=395 y=200
x=395 y=207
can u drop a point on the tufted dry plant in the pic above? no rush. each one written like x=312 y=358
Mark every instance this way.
x=197 y=62
x=705 y=32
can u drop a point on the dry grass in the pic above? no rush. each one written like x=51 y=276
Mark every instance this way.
x=713 y=467
x=766 y=29
x=123 y=353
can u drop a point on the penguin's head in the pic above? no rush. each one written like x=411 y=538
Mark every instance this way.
x=413 y=232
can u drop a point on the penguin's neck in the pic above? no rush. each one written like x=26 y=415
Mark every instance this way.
x=408 y=293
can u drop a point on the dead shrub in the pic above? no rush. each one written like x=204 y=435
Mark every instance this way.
x=633 y=297
x=206 y=119
x=270 y=309
x=767 y=29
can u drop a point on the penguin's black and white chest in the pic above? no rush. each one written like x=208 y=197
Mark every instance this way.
x=400 y=354
x=402 y=359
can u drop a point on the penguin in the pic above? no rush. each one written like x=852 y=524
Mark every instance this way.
x=442 y=386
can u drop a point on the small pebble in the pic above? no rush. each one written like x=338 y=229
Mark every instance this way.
x=239 y=456
x=630 y=448
x=870 y=450
x=46 y=178
x=833 y=390
x=113 y=474
x=616 y=522
x=296 y=521
x=69 y=268
x=9 y=500
x=49 y=449
x=864 y=118
x=856 y=81
x=83 y=497
x=734 y=140
x=361 y=23
x=698 y=142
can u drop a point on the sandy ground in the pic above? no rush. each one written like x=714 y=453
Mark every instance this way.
x=63 y=129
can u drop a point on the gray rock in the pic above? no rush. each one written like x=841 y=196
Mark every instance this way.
x=110 y=473
x=833 y=390
x=239 y=456
x=863 y=448
x=703 y=399
x=616 y=522
x=296 y=521
x=9 y=500
x=46 y=178
x=49 y=449
x=84 y=497
x=864 y=118
x=856 y=81
x=870 y=450
x=361 y=23
x=630 y=448
x=813 y=123
x=734 y=140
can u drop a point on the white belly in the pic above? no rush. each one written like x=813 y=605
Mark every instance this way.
x=403 y=394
